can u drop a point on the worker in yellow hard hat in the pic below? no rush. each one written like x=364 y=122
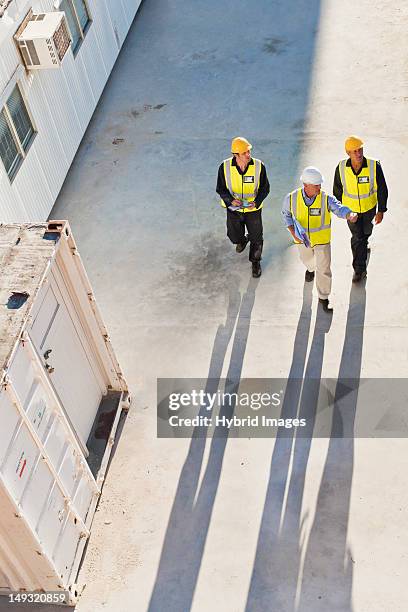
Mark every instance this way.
x=359 y=183
x=243 y=185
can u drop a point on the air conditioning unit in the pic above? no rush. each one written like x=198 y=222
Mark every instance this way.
x=44 y=41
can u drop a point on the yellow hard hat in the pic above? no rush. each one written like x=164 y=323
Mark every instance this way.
x=240 y=145
x=352 y=143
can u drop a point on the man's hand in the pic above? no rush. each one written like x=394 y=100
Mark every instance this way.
x=378 y=218
x=250 y=207
x=352 y=217
x=291 y=230
x=236 y=203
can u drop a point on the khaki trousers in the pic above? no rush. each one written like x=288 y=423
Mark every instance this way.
x=318 y=259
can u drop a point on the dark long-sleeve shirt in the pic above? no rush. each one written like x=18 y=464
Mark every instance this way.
x=227 y=197
x=382 y=190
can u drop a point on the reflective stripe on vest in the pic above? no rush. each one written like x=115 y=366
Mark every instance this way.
x=236 y=185
x=318 y=227
x=359 y=195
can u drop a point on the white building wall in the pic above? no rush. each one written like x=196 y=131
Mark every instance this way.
x=60 y=101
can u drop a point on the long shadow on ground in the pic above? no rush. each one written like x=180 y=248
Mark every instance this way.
x=314 y=574
x=191 y=512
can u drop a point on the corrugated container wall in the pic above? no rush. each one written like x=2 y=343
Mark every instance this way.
x=60 y=102
x=61 y=397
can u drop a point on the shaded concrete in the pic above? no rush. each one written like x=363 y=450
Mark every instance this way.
x=192 y=508
x=235 y=524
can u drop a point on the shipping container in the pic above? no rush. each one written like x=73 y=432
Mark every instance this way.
x=61 y=396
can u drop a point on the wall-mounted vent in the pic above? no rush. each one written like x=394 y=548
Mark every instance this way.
x=44 y=41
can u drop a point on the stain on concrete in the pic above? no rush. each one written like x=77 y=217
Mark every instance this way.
x=87 y=145
x=204 y=56
x=208 y=54
x=200 y=274
x=298 y=125
x=274 y=46
x=134 y=113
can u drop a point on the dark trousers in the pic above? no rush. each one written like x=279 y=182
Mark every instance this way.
x=360 y=233
x=252 y=221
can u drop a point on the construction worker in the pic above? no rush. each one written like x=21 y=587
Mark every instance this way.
x=307 y=215
x=242 y=185
x=359 y=183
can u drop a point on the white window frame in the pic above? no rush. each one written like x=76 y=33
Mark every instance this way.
x=83 y=33
x=15 y=82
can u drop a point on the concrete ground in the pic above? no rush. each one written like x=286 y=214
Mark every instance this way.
x=235 y=524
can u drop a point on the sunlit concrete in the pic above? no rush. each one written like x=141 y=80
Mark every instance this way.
x=244 y=525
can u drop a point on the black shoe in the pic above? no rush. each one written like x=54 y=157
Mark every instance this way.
x=256 y=269
x=325 y=305
x=241 y=246
x=309 y=276
x=358 y=276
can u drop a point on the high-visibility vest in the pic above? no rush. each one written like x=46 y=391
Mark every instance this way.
x=242 y=186
x=359 y=190
x=315 y=219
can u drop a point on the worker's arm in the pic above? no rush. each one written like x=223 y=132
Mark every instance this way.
x=337 y=185
x=264 y=188
x=336 y=207
x=382 y=190
x=299 y=234
x=287 y=215
x=222 y=187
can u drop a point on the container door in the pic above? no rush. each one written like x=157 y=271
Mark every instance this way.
x=49 y=505
x=65 y=358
